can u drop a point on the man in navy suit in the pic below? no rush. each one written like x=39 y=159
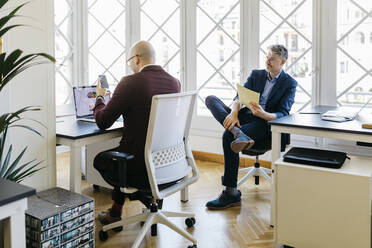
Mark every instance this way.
x=245 y=125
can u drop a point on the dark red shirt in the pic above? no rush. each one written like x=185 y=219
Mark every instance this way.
x=132 y=99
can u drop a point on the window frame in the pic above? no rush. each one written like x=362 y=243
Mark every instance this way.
x=324 y=64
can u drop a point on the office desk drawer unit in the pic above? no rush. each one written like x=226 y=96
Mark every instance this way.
x=324 y=208
x=60 y=218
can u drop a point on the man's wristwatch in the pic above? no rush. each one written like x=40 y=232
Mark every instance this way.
x=100 y=96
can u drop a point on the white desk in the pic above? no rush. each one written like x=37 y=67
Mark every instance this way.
x=311 y=125
x=13 y=204
x=76 y=135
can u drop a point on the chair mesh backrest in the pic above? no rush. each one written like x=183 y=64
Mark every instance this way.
x=168 y=155
x=168 y=128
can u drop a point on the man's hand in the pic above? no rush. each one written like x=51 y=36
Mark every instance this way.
x=256 y=109
x=231 y=120
x=99 y=90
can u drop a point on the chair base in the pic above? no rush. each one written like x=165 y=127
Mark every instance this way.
x=255 y=171
x=150 y=219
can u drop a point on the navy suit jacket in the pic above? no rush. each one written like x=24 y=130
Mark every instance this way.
x=280 y=100
x=281 y=97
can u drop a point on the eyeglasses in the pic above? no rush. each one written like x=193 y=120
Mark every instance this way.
x=271 y=59
x=128 y=60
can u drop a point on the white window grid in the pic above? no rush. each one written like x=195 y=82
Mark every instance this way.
x=249 y=29
x=69 y=40
x=217 y=70
x=290 y=64
x=106 y=30
x=160 y=28
x=345 y=36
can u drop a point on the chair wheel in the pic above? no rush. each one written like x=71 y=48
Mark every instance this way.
x=118 y=229
x=190 y=222
x=192 y=246
x=103 y=236
x=95 y=187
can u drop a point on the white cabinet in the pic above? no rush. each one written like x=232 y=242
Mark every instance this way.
x=92 y=175
x=324 y=208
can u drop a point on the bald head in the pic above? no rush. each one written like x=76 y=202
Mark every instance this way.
x=145 y=51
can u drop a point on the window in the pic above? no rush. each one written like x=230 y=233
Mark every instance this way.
x=359 y=38
x=356 y=78
x=294 y=44
x=106 y=40
x=160 y=25
x=277 y=26
x=342 y=67
x=357 y=14
x=64 y=43
x=217 y=41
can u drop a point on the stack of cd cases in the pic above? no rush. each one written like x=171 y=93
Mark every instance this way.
x=60 y=218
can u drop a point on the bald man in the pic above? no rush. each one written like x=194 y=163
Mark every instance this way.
x=131 y=99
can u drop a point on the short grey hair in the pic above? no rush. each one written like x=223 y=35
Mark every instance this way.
x=279 y=50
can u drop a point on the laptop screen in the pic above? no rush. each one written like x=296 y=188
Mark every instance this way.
x=85 y=99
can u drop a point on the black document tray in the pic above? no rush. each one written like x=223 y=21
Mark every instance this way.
x=316 y=157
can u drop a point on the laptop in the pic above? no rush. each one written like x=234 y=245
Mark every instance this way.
x=84 y=100
x=342 y=115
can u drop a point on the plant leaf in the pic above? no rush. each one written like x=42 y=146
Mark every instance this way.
x=4 y=20
x=16 y=71
x=3 y=2
x=29 y=128
x=14 y=173
x=4 y=166
x=10 y=60
x=6 y=29
x=19 y=177
x=14 y=164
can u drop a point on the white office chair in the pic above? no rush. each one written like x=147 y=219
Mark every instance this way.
x=258 y=149
x=169 y=160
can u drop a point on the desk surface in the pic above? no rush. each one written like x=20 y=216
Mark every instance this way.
x=11 y=191
x=314 y=121
x=69 y=127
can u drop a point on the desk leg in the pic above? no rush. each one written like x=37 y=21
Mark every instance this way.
x=185 y=194
x=14 y=231
x=75 y=169
x=275 y=154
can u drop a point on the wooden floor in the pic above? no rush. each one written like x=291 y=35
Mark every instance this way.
x=245 y=226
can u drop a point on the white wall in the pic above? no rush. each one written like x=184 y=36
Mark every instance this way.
x=34 y=87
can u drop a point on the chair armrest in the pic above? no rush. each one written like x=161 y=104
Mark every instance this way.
x=115 y=155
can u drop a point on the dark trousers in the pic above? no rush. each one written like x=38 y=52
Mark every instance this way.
x=106 y=168
x=254 y=127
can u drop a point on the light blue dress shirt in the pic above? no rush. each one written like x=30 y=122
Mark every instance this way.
x=268 y=87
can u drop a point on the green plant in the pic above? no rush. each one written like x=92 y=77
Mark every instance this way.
x=10 y=66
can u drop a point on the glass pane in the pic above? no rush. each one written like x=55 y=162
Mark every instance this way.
x=160 y=25
x=218 y=50
x=354 y=36
x=63 y=51
x=289 y=23
x=106 y=40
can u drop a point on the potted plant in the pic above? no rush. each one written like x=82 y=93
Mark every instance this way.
x=12 y=64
